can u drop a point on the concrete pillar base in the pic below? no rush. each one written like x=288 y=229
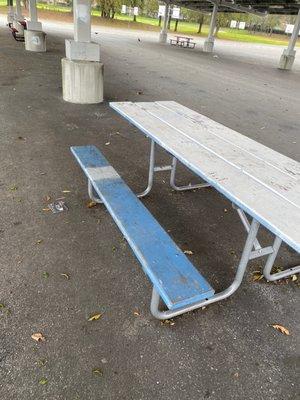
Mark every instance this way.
x=82 y=81
x=35 y=41
x=163 y=36
x=209 y=45
x=34 y=25
x=287 y=60
x=85 y=51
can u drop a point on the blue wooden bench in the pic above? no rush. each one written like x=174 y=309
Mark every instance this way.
x=174 y=278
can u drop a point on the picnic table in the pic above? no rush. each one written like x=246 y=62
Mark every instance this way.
x=183 y=41
x=262 y=184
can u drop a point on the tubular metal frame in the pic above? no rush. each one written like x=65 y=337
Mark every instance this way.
x=272 y=250
x=252 y=248
x=152 y=170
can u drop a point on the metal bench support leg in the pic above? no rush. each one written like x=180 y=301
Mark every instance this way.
x=93 y=196
x=271 y=251
x=219 y=296
x=182 y=188
x=151 y=171
x=270 y=262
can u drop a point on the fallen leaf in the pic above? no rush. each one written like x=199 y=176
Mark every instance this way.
x=95 y=317
x=168 y=322
x=47 y=198
x=136 y=313
x=46 y=209
x=13 y=188
x=66 y=276
x=236 y=375
x=97 y=371
x=257 y=276
x=66 y=191
x=43 y=381
x=189 y=252
x=294 y=278
x=39 y=241
x=281 y=329
x=91 y=204
x=38 y=337
x=42 y=362
x=46 y=274
x=107 y=143
x=225 y=210
x=21 y=138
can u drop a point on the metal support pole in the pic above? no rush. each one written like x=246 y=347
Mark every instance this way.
x=163 y=36
x=288 y=56
x=209 y=42
x=219 y=296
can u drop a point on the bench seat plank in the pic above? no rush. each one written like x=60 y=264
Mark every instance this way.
x=173 y=275
x=262 y=182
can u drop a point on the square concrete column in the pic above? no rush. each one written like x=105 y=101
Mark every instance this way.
x=209 y=42
x=288 y=56
x=10 y=11
x=163 y=36
x=82 y=72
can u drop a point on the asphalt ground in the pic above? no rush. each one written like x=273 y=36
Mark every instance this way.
x=58 y=270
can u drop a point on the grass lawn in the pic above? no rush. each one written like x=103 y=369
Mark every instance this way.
x=184 y=27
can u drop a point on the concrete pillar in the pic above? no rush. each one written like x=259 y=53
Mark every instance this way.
x=35 y=41
x=209 y=42
x=18 y=18
x=163 y=36
x=82 y=72
x=10 y=11
x=288 y=56
x=18 y=13
x=32 y=23
x=35 y=38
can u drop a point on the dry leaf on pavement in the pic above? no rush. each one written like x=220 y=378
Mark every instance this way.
x=95 y=317
x=38 y=337
x=91 y=204
x=281 y=329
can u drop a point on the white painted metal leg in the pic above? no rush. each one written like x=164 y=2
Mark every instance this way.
x=209 y=42
x=163 y=36
x=288 y=56
x=219 y=296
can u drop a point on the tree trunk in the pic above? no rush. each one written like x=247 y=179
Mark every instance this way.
x=176 y=24
x=159 y=20
x=134 y=18
x=200 y=27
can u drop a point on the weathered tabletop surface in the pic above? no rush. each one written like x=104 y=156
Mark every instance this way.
x=259 y=180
